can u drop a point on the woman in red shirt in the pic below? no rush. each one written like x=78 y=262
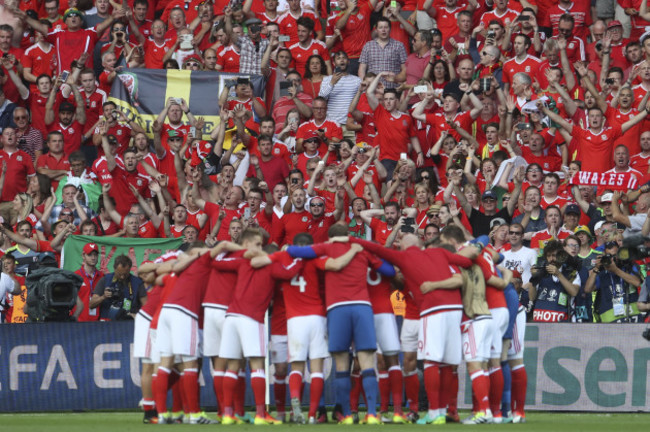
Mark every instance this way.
x=314 y=74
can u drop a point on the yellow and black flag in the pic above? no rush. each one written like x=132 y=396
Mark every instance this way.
x=142 y=93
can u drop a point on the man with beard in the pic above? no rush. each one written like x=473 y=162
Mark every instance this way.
x=339 y=89
x=122 y=131
x=294 y=222
x=124 y=177
x=71 y=119
x=382 y=229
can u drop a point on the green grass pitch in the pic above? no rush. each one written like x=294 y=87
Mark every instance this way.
x=132 y=421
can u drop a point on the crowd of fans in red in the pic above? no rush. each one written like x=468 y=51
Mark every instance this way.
x=388 y=117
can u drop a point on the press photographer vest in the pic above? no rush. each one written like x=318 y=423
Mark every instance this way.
x=552 y=303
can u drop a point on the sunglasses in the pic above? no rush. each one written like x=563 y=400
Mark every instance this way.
x=316 y=205
x=514 y=232
x=20 y=117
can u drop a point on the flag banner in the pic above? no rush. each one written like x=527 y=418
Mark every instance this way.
x=143 y=93
x=137 y=249
x=608 y=180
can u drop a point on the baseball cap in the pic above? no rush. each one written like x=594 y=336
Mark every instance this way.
x=72 y=12
x=66 y=107
x=572 y=209
x=172 y=133
x=614 y=23
x=599 y=225
x=90 y=247
x=497 y=222
x=644 y=36
x=312 y=135
x=193 y=57
x=608 y=197
x=584 y=229
x=489 y=194
x=453 y=94
x=253 y=21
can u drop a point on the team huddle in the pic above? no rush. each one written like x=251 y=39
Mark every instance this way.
x=333 y=299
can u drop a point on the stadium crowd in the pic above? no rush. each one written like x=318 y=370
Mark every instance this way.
x=503 y=143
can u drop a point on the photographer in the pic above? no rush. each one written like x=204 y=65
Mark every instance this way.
x=556 y=280
x=119 y=295
x=615 y=282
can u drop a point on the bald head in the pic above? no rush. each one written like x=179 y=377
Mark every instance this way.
x=410 y=240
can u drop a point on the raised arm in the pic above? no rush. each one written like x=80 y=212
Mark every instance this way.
x=636 y=119
x=555 y=117
x=108 y=205
x=373 y=102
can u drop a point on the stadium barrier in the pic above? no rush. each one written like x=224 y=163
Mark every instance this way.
x=89 y=366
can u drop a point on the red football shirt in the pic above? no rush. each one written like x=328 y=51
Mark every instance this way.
x=380 y=291
x=394 y=132
x=190 y=288
x=303 y=294
x=301 y=55
x=221 y=284
x=594 y=150
x=254 y=287
x=19 y=168
x=343 y=287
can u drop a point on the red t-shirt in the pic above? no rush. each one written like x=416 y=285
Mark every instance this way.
x=229 y=60
x=70 y=45
x=394 y=132
x=529 y=66
x=40 y=61
x=50 y=162
x=221 y=284
x=494 y=296
x=594 y=150
x=416 y=265
x=289 y=25
x=380 y=231
x=301 y=55
x=380 y=290
x=303 y=294
x=121 y=192
x=213 y=211
x=291 y=224
x=356 y=31
x=154 y=53
x=255 y=287
x=71 y=135
x=86 y=292
x=19 y=167
x=189 y=300
x=343 y=287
